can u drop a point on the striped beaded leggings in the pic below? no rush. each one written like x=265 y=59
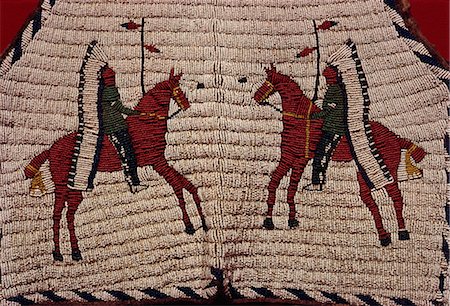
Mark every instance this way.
x=323 y=155
x=122 y=142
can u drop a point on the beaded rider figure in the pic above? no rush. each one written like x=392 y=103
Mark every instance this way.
x=334 y=126
x=114 y=126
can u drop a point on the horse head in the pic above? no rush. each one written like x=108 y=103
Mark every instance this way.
x=294 y=101
x=271 y=84
x=158 y=98
x=268 y=87
x=173 y=83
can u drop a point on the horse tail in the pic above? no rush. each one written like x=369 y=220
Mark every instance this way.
x=37 y=187
x=416 y=153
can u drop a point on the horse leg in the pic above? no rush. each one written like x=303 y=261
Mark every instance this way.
x=275 y=180
x=186 y=184
x=57 y=213
x=292 y=190
x=173 y=178
x=73 y=201
x=396 y=196
x=194 y=191
x=366 y=197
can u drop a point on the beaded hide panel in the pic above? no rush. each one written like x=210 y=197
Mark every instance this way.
x=273 y=150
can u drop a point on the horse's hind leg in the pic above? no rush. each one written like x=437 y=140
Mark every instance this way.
x=275 y=180
x=73 y=201
x=57 y=213
x=396 y=196
x=292 y=190
x=366 y=197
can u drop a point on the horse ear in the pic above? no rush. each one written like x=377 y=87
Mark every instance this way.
x=178 y=76
x=171 y=72
x=271 y=69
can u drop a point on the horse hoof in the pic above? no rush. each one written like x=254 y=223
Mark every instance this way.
x=268 y=224
x=76 y=255
x=204 y=226
x=403 y=235
x=57 y=256
x=293 y=223
x=386 y=240
x=190 y=230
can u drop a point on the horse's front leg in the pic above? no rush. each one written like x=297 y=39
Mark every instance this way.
x=275 y=180
x=194 y=192
x=297 y=172
x=184 y=183
x=175 y=180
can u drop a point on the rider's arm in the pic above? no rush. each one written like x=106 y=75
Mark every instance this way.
x=329 y=104
x=323 y=113
x=123 y=109
x=112 y=94
x=320 y=115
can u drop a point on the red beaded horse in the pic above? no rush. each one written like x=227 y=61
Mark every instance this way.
x=299 y=138
x=149 y=142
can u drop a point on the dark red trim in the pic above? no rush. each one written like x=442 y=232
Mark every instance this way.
x=404 y=9
x=4 y=28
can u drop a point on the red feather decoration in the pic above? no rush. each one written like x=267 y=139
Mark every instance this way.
x=131 y=25
x=327 y=24
x=307 y=51
x=152 y=48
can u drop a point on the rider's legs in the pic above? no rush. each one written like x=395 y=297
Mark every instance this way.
x=324 y=151
x=122 y=142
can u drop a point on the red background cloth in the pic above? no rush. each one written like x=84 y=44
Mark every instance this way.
x=432 y=17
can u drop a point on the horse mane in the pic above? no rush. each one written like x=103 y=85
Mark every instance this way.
x=163 y=85
x=280 y=78
x=291 y=88
x=155 y=94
